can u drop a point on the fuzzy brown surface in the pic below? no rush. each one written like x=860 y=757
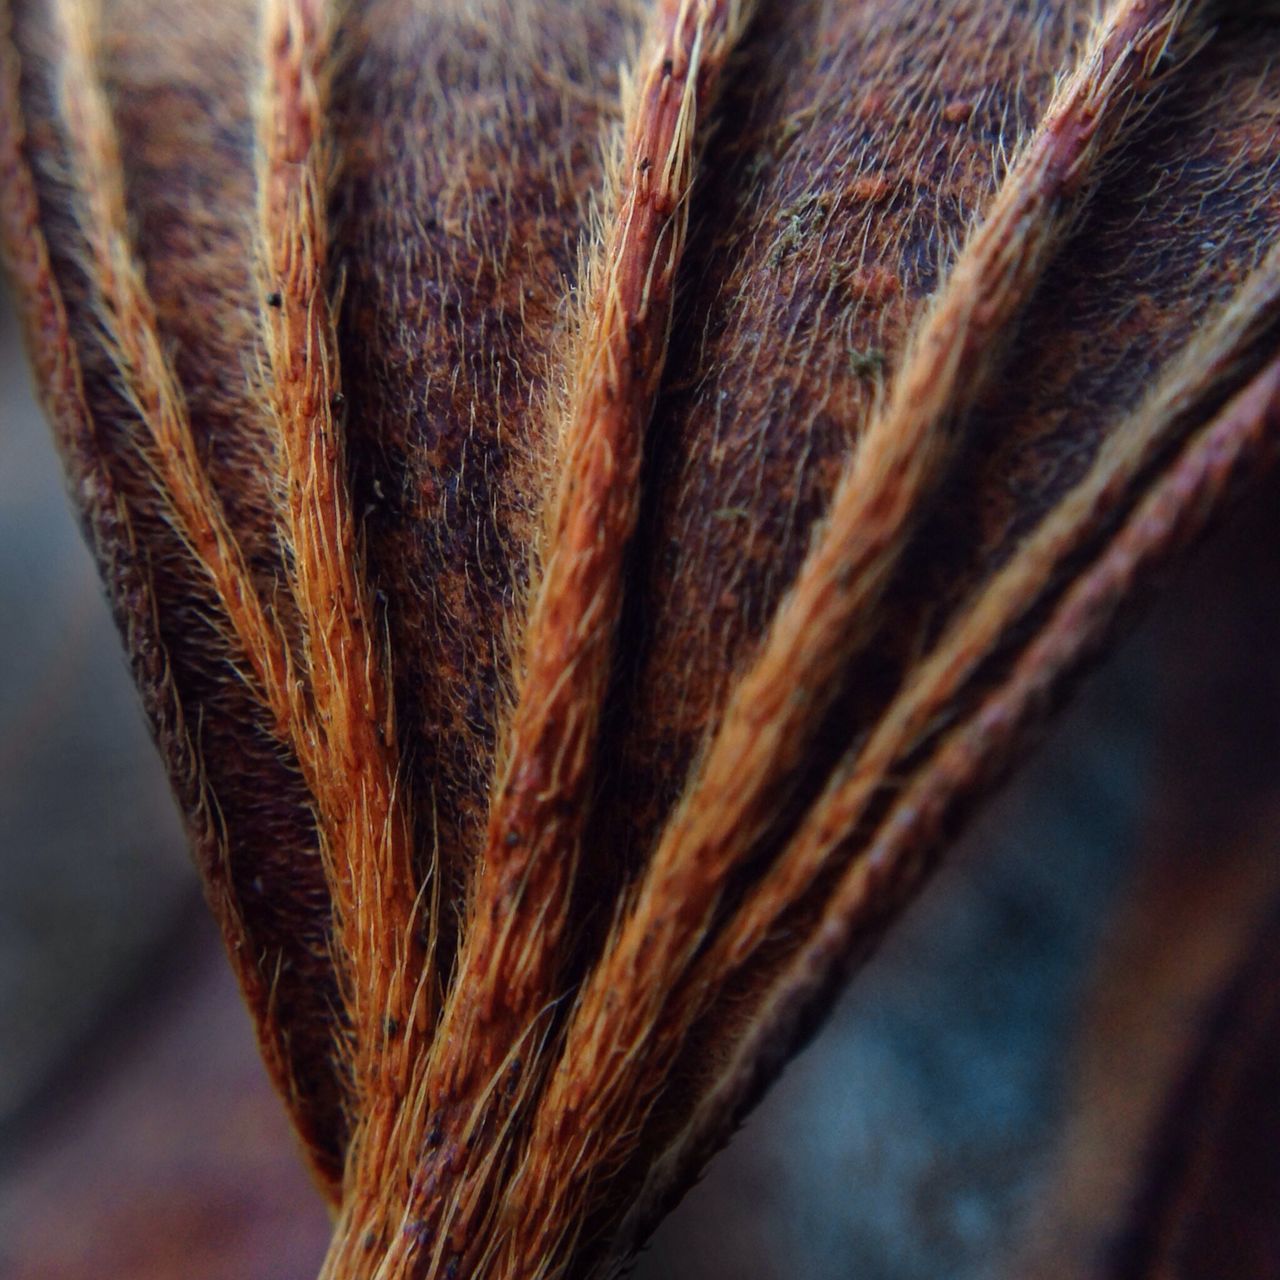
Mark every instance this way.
x=973 y=329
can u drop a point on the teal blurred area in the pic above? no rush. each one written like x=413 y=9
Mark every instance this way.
x=914 y=1137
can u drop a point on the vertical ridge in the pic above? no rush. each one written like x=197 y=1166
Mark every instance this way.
x=107 y=524
x=351 y=758
x=519 y=900
x=148 y=379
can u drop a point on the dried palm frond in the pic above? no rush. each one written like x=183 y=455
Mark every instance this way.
x=592 y=494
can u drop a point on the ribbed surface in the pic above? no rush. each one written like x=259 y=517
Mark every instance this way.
x=593 y=493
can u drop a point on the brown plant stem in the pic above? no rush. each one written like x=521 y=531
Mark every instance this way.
x=1198 y=374
x=513 y=944
x=1208 y=362
x=351 y=759
x=522 y=889
x=687 y=718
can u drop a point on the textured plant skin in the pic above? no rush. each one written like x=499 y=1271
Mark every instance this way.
x=585 y=537
x=512 y=954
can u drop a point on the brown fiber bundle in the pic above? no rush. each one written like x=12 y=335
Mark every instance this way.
x=593 y=492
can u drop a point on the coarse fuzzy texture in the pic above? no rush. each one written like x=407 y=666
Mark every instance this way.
x=248 y=819
x=345 y=741
x=483 y=1062
x=593 y=494
x=604 y=1087
x=889 y=866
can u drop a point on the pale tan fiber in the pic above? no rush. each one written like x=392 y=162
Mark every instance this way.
x=593 y=491
x=535 y=821
x=351 y=761
x=828 y=614
x=1196 y=373
x=831 y=609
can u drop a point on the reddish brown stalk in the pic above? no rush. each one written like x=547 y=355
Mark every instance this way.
x=1238 y=446
x=590 y=1113
x=148 y=380
x=589 y=1049
x=1196 y=375
x=350 y=761
x=514 y=939
x=522 y=891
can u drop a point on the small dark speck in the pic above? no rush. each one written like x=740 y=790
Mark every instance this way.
x=513 y=1079
x=667 y=66
x=867 y=364
x=275 y=299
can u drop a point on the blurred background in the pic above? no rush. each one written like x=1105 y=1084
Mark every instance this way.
x=1075 y=1029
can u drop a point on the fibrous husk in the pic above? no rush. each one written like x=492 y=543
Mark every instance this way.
x=593 y=493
